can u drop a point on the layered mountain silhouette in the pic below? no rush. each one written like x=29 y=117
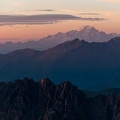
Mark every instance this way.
x=88 y=33
x=91 y=66
x=43 y=100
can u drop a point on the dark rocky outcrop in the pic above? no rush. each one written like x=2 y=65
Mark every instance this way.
x=43 y=100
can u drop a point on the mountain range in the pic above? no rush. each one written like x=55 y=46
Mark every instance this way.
x=88 y=33
x=43 y=100
x=91 y=66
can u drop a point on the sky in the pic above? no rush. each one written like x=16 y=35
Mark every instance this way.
x=22 y=20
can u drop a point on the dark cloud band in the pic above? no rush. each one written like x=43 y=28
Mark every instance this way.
x=40 y=19
x=45 y=10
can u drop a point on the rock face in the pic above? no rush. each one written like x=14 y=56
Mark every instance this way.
x=43 y=100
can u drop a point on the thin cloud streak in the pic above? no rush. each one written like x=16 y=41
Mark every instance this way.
x=43 y=10
x=90 y=14
x=41 y=19
x=49 y=10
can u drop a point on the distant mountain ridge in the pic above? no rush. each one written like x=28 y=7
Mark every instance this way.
x=88 y=33
x=91 y=66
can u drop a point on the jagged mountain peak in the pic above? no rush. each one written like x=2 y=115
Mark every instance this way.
x=27 y=80
x=76 y=42
x=88 y=28
x=66 y=84
x=69 y=45
x=46 y=82
x=116 y=39
x=115 y=43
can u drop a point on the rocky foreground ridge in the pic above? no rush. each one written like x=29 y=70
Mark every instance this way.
x=29 y=100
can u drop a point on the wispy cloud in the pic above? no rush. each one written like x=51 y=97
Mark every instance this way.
x=90 y=13
x=41 y=19
x=44 y=10
x=49 y=10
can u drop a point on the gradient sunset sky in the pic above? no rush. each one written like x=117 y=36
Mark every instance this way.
x=33 y=19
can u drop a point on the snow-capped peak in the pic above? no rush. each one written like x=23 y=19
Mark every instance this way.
x=87 y=28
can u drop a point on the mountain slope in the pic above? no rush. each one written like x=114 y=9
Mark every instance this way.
x=88 y=33
x=88 y=65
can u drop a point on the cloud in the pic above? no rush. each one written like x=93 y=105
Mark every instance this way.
x=41 y=19
x=93 y=19
x=89 y=13
x=49 y=10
